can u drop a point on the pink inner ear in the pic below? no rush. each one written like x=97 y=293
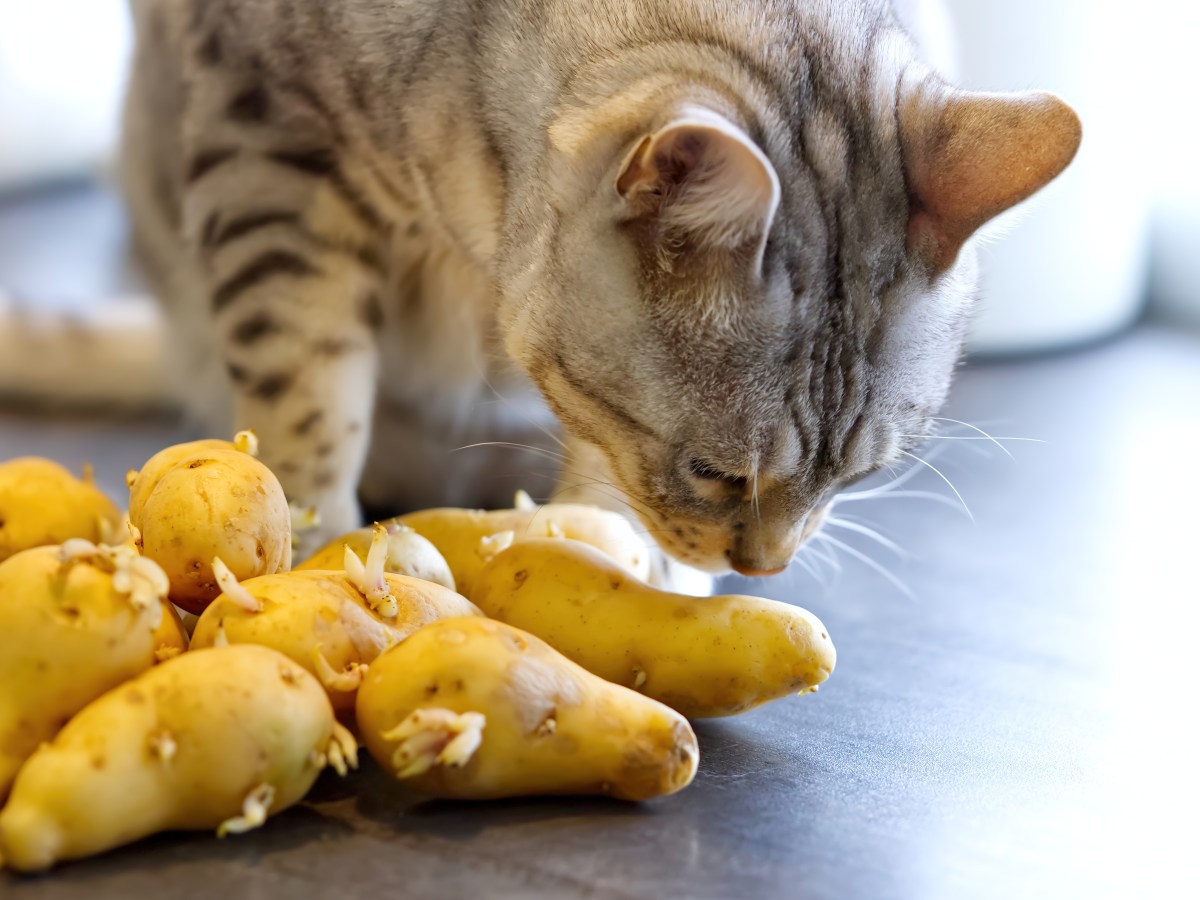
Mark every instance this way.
x=703 y=175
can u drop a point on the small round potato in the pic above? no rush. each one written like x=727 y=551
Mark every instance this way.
x=407 y=554
x=75 y=621
x=143 y=482
x=41 y=504
x=218 y=503
x=473 y=709
x=219 y=738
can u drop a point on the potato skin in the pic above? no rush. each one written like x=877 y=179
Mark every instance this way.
x=408 y=554
x=218 y=503
x=41 y=503
x=179 y=747
x=147 y=478
x=706 y=657
x=66 y=637
x=551 y=727
x=304 y=611
x=457 y=534
x=170 y=637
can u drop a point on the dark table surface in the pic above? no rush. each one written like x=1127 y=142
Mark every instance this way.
x=1011 y=714
x=1017 y=721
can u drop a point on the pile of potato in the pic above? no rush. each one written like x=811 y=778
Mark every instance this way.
x=473 y=654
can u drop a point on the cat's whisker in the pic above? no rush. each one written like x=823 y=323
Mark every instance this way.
x=801 y=559
x=831 y=558
x=942 y=476
x=896 y=495
x=621 y=496
x=866 y=560
x=522 y=412
x=870 y=533
x=984 y=435
x=512 y=445
x=754 y=481
x=888 y=487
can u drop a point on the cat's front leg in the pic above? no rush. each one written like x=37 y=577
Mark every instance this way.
x=586 y=478
x=293 y=288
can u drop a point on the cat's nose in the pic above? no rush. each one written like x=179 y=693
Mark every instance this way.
x=762 y=554
x=749 y=570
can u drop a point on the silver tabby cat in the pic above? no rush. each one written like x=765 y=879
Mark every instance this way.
x=728 y=242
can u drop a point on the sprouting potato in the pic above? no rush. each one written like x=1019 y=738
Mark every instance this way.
x=475 y=709
x=75 y=621
x=219 y=738
x=407 y=554
x=466 y=537
x=710 y=656
x=334 y=624
x=216 y=503
x=43 y=504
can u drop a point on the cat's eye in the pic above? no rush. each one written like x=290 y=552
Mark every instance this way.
x=707 y=472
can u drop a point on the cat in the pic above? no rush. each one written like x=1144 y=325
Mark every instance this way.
x=727 y=244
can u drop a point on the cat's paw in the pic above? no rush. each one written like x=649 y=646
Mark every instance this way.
x=671 y=575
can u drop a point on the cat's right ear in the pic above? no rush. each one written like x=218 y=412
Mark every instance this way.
x=970 y=156
x=701 y=176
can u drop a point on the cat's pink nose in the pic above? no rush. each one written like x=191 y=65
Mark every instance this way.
x=752 y=572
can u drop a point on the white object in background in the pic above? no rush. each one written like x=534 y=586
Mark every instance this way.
x=1071 y=263
x=1175 y=255
x=1171 y=147
x=62 y=71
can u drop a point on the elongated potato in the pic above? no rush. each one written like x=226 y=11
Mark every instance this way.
x=707 y=656
x=475 y=709
x=325 y=622
x=407 y=554
x=460 y=534
x=218 y=738
x=42 y=504
x=218 y=503
x=75 y=621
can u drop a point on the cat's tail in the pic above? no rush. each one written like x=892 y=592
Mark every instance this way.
x=112 y=356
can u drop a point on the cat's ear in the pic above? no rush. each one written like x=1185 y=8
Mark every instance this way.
x=702 y=176
x=970 y=156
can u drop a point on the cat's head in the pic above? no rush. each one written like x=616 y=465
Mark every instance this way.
x=742 y=316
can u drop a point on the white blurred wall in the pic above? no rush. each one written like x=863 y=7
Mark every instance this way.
x=62 y=65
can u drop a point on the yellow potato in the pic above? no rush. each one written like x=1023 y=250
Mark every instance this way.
x=462 y=534
x=143 y=482
x=475 y=709
x=170 y=637
x=709 y=656
x=71 y=628
x=218 y=738
x=407 y=554
x=325 y=621
x=41 y=503
x=216 y=503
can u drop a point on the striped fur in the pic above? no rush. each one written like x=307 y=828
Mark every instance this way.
x=689 y=223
